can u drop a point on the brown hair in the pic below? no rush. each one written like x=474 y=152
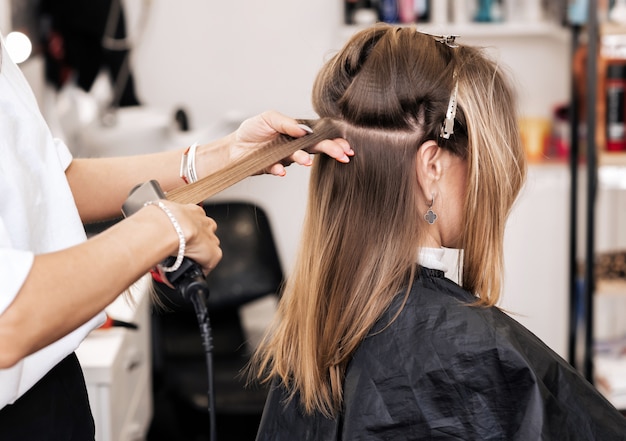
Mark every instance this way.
x=387 y=92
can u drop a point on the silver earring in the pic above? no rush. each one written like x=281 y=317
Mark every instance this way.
x=430 y=215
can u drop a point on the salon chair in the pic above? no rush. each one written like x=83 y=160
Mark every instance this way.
x=249 y=270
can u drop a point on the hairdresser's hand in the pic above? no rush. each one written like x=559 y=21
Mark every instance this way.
x=264 y=127
x=202 y=245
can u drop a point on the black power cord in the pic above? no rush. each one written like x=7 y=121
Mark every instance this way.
x=189 y=281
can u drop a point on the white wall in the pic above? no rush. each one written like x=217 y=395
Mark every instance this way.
x=536 y=288
x=233 y=57
x=5 y=15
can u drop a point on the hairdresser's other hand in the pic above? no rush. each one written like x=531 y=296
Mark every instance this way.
x=266 y=126
x=202 y=245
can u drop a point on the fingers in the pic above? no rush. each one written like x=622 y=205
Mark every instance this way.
x=209 y=249
x=301 y=157
x=215 y=258
x=277 y=170
x=337 y=148
x=283 y=124
x=262 y=127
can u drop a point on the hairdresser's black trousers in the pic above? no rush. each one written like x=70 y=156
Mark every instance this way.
x=55 y=409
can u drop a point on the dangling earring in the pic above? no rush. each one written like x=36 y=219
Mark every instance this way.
x=430 y=215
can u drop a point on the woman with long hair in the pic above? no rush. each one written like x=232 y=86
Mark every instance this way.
x=370 y=340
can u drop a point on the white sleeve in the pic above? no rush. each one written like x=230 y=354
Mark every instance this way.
x=65 y=156
x=15 y=381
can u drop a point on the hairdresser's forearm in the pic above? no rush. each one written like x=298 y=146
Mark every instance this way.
x=101 y=185
x=67 y=288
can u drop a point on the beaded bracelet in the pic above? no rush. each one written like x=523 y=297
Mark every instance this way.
x=188 y=164
x=181 y=236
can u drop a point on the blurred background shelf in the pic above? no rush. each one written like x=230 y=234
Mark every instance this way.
x=544 y=29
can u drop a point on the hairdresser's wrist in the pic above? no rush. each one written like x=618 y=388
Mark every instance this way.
x=214 y=156
x=159 y=231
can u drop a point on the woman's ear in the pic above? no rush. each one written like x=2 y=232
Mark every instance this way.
x=428 y=167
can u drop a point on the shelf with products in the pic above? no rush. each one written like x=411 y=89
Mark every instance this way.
x=610 y=103
x=597 y=344
x=543 y=29
x=474 y=19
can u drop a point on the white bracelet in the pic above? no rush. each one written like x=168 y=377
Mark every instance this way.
x=191 y=164
x=188 y=164
x=181 y=236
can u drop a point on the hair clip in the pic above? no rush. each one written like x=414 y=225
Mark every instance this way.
x=447 y=128
x=448 y=40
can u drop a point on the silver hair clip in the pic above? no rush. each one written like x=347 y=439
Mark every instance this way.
x=447 y=128
x=448 y=40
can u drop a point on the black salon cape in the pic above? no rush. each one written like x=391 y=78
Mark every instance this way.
x=447 y=370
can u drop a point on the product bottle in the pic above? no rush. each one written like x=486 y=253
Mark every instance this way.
x=422 y=10
x=349 y=6
x=460 y=11
x=484 y=10
x=388 y=11
x=439 y=11
x=615 y=94
x=559 y=143
x=406 y=11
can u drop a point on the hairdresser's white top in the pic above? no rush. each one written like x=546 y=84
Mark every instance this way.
x=37 y=215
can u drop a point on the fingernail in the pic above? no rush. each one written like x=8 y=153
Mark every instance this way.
x=305 y=128
x=344 y=159
x=345 y=146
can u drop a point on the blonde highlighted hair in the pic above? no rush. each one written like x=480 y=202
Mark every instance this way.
x=387 y=92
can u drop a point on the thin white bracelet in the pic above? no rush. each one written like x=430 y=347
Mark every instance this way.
x=188 y=164
x=181 y=237
x=183 y=166
x=191 y=163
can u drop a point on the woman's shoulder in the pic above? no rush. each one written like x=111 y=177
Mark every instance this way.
x=438 y=333
x=435 y=307
x=445 y=363
x=440 y=317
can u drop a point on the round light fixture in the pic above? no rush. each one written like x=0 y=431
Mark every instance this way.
x=18 y=46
